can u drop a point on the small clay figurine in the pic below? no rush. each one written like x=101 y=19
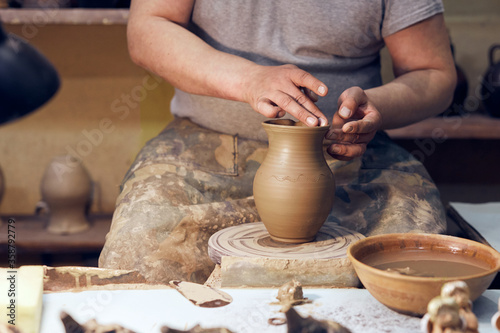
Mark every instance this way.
x=72 y=326
x=443 y=317
x=296 y=323
x=291 y=293
x=459 y=290
x=495 y=320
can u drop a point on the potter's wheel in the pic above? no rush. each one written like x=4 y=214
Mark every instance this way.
x=252 y=240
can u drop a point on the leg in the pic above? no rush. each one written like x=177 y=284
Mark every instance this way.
x=386 y=191
x=185 y=185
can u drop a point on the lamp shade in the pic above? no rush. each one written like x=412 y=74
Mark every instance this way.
x=27 y=78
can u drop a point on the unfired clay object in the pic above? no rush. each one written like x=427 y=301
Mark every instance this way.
x=294 y=188
x=459 y=291
x=66 y=191
x=201 y=295
x=291 y=292
x=443 y=316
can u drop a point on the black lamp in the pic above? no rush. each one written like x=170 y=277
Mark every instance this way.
x=27 y=78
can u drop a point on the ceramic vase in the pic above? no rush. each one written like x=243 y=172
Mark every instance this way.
x=490 y=86
x=66 y=192
x=294 y=188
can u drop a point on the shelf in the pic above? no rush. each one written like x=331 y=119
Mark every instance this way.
x=70 y=16
x=32 y=236
x=469 y=127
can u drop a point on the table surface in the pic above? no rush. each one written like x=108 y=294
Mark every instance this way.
x=149 y=310
x=484 y=217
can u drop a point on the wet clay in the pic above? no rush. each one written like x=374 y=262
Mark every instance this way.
x=424 y=264
x=252 y=240
x=200 y=295
x=291 y=294
x=294 y=188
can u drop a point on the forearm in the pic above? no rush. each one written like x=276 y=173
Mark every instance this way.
x=413 y=96
x=159 y=41
x=184 y=60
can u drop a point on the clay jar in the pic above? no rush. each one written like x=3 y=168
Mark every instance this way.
x=66 y=190
x=294 y=188
x=490 y=89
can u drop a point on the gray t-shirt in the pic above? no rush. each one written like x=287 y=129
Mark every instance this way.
x=337 y=41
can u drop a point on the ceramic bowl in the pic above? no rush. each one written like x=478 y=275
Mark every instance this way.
x=411 y=294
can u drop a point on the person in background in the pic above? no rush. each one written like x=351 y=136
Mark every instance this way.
x=235 y=64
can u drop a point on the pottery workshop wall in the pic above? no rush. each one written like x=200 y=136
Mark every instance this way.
x=474 y=26
x=103 y=113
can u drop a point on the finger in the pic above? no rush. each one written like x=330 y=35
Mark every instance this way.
x=338 y=136
x=304 y=100
x=301 y=107
x=269 y=109
x=346 y=151
x=350 y=100
x=304 y=79
x=366 y=125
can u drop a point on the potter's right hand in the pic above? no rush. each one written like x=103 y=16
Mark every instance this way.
x=275 y=90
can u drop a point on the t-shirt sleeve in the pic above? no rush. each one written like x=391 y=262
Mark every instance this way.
x=400 y=14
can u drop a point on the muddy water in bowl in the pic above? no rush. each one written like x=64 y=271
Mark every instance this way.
x=425 y=264
x=410 y=290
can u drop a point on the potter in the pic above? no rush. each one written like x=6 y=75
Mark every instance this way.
x=236 y=64
x=294 y=188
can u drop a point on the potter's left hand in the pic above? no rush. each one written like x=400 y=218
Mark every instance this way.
x=353 y=126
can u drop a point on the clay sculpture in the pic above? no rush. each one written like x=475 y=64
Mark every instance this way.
x=459 y=291
x=443 y=317
x=66 y=193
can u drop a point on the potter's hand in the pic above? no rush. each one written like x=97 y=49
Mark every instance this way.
x=353 y=126
x=275 y=90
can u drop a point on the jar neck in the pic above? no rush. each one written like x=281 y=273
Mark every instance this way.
x=309 y=143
